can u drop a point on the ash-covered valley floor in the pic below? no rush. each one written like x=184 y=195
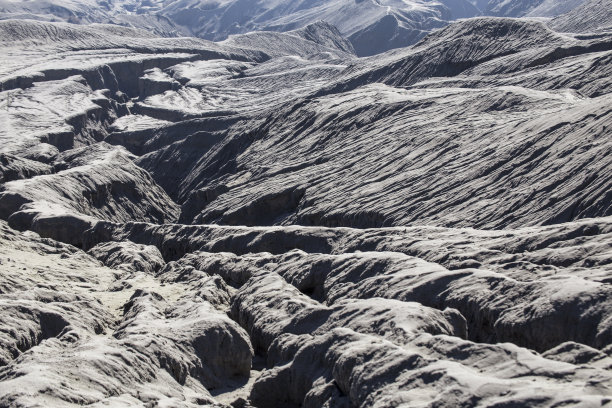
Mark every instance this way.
x=271 y=221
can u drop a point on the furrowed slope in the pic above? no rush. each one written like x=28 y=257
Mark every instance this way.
x=270 y=221
x=473 y=148
x=592 y=16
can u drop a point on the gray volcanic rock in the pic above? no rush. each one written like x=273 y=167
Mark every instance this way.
x=529 y=8
x=384 y=24
x=123 y=13
x=285 y=200
x=32 y=317
x=315 y=38
x=511 y=8
x=271 y=221
x=557 y=246
x=325 y=34
x=107 y=56
x=576 y=353
x=269 y=307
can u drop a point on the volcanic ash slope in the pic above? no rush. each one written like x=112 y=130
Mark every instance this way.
x=270 y=221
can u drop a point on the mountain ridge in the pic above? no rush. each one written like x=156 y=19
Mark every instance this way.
x=371 y=26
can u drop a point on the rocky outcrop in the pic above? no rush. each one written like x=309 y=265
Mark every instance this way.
x=373 y=27
x=313 y=39
x=326 y=34
x=449 y=195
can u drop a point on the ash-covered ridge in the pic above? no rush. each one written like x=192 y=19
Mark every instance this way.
x=272 y=221
x=372 y=26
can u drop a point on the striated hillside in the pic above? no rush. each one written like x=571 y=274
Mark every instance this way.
x=592 y=16
x=372 y=26
x=272 y=221
x=403 y=146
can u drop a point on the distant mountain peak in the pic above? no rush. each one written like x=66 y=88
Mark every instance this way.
x=371 y=26
x=325 y=34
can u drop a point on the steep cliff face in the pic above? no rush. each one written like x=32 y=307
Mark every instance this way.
x=271 y=221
